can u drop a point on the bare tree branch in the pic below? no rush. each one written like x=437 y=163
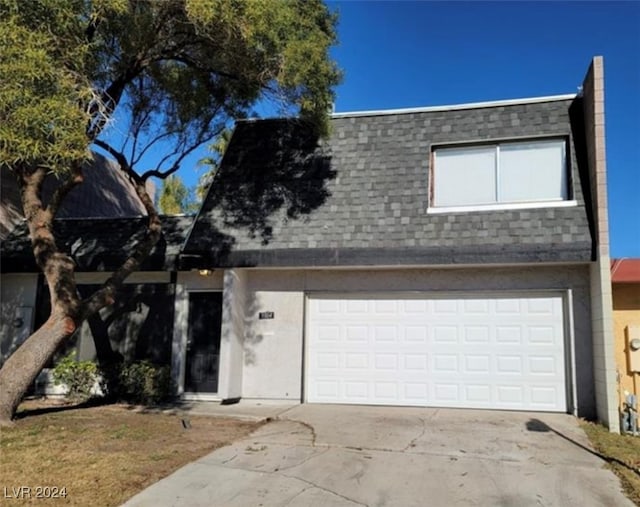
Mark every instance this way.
x=153 y=141
x=136 y=129
x=157 y=173
x=122 y=161
x=204 y=136
x=101 y=110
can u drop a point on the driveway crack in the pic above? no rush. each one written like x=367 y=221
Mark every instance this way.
x=230 y=459
x=306 y=425
x=297 y=495
x=313 y=484
x=296 y=478
x=413 y=442
x=308 y=458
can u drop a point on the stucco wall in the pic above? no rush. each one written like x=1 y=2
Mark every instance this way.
x=232 y=334
x=273 y=348
x=17 y=306
x=272 y=366
x=626 y=312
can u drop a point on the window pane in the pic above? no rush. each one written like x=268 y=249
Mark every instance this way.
x=464 y=176
x=533 y=171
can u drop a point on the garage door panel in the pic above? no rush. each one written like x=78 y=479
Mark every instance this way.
x=474 y=334
x=386 y=362
x=477 y=393
x=480 y=352
x=544 y=396
x=477 y=364
x=445 y=333
x=445 y=363
x=382 y=333
x=415 y=307
x=328 y=333
x=415 y=362
x=508 y=334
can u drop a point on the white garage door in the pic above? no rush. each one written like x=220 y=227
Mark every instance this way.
x=474 y=352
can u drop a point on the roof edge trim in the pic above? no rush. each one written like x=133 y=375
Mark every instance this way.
x=454 y=107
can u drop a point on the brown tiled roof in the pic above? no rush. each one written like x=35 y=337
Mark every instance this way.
x=625 y=270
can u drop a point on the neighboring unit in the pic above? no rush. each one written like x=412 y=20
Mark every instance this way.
x=105 y=192
x=450 y=256
x=625 y=277
x=140 y=323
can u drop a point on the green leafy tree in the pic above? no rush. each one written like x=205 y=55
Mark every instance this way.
x=175 y=197
x=131 y=77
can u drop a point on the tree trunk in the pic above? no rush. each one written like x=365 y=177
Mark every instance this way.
x=67 y=310
x=105 y=354
x=23 y=366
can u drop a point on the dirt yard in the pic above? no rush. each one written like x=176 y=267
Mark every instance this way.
x=623 y=454
x=100 y=456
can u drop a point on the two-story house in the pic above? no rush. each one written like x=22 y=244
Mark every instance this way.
x=452 y=256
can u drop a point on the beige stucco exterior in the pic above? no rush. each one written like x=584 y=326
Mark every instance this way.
x=265 y=358
x=626 y=312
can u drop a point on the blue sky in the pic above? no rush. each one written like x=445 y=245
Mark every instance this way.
x=408 y=54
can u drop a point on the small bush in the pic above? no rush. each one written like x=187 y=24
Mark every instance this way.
x=144 y=383
x=79 y=376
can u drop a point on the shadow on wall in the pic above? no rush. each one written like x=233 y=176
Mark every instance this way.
x=626 y=297
x=272 y=170
x=251 y=338
x=243 y=315
x=576 y=115
x=100 y=252
x=139 y=325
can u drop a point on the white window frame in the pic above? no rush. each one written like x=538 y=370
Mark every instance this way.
x=566 y=201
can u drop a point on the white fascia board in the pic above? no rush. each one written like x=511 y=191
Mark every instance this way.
x=455 y=107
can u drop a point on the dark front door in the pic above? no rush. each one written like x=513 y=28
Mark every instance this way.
x=203 y=342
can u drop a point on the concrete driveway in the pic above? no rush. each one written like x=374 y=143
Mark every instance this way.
x=328 y=455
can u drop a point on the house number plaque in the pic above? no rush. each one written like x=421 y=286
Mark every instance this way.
x=265 y=315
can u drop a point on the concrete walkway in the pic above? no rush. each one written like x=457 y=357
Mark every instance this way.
x=245 y=410
x=327 y=455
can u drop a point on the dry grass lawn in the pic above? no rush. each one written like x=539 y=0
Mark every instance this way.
x=101 y=455
x=622 y=448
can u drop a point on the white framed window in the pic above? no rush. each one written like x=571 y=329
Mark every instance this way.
x=506 y=174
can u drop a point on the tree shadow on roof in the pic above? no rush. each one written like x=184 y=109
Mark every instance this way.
x=272 y=170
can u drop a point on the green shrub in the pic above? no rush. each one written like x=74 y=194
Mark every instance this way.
x=78 y=376
x=144 y=383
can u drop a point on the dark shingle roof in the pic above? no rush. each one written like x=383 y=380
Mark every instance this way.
x=281 y=198
x=99 y=244
x=105 y=192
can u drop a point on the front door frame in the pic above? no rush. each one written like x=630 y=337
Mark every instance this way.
x=187 y=395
